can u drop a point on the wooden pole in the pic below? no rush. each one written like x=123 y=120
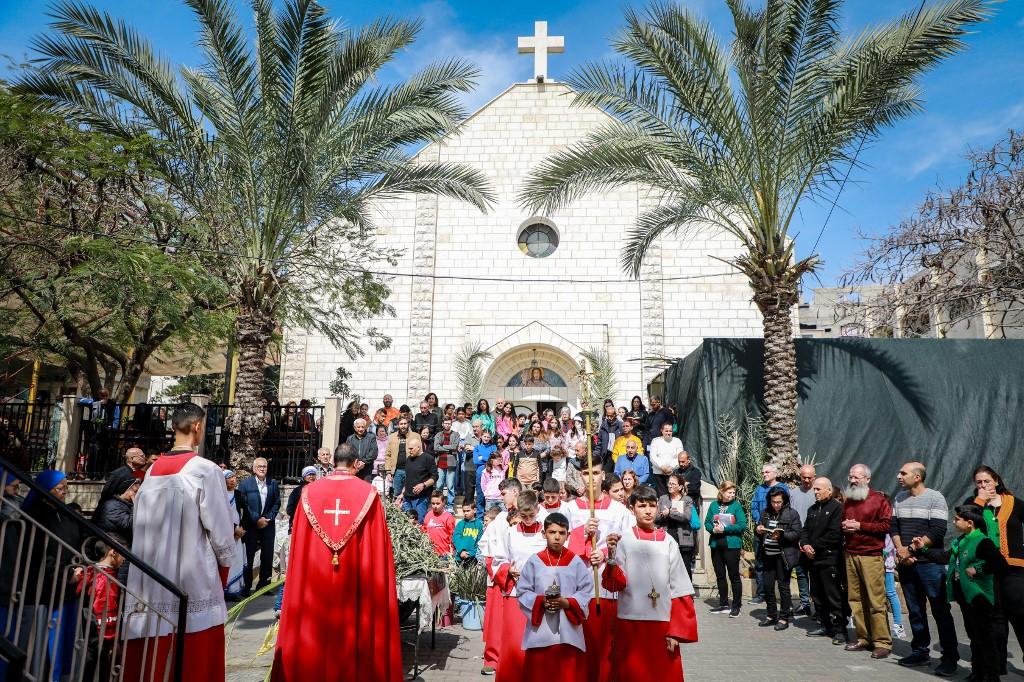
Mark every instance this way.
x=33 y=389
x=585 y=393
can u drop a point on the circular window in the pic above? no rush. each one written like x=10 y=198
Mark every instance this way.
x=538 y=240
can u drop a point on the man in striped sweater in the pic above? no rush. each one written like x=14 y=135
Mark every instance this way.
x=920 y=512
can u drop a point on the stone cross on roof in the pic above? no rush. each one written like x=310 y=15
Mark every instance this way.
x=540 y=44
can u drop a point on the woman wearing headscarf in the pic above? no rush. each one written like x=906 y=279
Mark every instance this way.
x=236 y=510
x=54 y=565
x=114 y=515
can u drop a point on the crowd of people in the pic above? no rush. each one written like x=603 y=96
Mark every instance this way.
x=523 y=482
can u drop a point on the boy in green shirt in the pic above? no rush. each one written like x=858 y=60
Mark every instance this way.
x=974 y=561
x=466 y=537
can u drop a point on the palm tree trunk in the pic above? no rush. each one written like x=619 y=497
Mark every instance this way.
x=253 y=331
x=780 y=379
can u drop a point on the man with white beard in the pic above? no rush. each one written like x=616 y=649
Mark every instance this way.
x=867 y=516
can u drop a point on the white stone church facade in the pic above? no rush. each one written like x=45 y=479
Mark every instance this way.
x=475 y=283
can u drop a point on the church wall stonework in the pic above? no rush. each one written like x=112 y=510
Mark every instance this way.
x=682 y=296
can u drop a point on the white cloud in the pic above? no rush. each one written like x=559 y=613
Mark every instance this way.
x=442 y=38
x=941 y=138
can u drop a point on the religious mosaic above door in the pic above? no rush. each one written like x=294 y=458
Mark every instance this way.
x=536 y=377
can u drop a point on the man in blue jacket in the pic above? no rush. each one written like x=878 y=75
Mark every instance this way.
x=770 y=474
x=263 y=499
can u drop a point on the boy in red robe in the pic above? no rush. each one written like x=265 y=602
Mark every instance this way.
x=341 y=585
x=523 y=540
x=588 y=539
x=555 y=587
x=655 y=611
x=493 y=540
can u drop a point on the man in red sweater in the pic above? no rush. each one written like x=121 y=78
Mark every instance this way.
x=867 y=515
x=439 y=525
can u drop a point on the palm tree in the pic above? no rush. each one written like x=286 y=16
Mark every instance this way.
x=279 y=150
x=736 y=139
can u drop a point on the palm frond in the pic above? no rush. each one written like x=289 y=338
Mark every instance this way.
x=603 y=384
x=468 y=373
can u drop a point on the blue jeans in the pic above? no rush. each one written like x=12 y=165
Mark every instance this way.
x=894 y=599
x=398 y=484
x=279 y=600
x=758 y=569
x=924 y=585
x=803 y=585
x=446 y=481
x=480 y=501
x=419 y=505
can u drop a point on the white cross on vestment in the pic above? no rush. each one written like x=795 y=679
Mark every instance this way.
x=539 y=45
x=337 y=511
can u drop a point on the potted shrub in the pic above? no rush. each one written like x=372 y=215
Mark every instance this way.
x=469 y=587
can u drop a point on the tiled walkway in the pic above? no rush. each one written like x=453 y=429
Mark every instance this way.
x=728 y=647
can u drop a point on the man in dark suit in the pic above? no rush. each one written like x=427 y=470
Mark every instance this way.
x=263 y=500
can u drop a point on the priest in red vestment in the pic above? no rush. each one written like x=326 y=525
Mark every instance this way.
x=339 y=620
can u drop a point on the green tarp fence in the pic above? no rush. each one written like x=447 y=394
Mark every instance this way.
x=952 y=404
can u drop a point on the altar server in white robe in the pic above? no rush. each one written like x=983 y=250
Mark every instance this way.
x=493 y=539
x=523 y=540
x=588 y=538
x=555 y=588
x=655 y=613
x=182 y=528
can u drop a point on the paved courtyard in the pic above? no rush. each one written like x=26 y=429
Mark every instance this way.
x=727 y=647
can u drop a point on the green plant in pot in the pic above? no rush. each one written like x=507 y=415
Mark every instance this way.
x=469 y=585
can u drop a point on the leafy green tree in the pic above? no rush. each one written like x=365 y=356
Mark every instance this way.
x=93 y=277
x=737 y=137
x=279 y=148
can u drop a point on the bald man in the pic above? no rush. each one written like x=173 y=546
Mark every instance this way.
x=821 y=543
x=920 y=512
x=262 y=497
x=134 y=467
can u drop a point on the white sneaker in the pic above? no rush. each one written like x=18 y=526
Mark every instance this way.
x=898 y=631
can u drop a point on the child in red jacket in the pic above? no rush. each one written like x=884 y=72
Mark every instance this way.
x=102 y=591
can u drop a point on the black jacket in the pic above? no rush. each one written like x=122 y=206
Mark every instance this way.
x=115 y=516
x=51 y=561
x=251 y=497
x=789 y=522
x=823 y=530
x=293 y=503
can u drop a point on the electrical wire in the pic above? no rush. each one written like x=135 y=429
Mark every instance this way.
x=378 y=273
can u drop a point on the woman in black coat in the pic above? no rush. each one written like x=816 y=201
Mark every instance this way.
x=780 y=552
x=114 y=515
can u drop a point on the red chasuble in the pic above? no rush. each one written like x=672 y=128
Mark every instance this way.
x=340 y=589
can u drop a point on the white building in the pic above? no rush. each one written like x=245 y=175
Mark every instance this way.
x=474 y=279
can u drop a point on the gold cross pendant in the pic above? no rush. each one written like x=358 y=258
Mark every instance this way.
x=653 y=596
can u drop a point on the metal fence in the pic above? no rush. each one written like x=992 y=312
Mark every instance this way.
x=63 y=616
x=28 y=434
x=290 y=441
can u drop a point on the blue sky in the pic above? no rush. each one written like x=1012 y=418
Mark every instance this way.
x=970 y=100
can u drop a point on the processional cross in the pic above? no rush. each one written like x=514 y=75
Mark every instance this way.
x=337 y=512
x=539 y=44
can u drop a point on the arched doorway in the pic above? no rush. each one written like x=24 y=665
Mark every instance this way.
x=535 y=376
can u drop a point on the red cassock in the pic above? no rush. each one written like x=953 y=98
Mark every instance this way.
x=511 y=624
x=492 y=621
x=638 y=646
x=597 y=628
x=340 y=595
